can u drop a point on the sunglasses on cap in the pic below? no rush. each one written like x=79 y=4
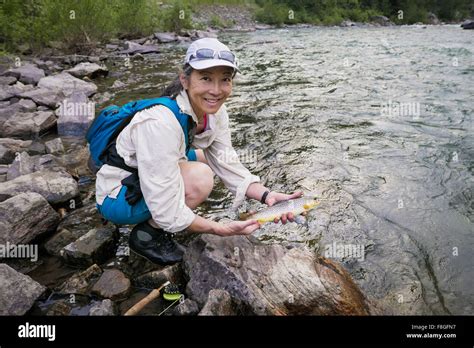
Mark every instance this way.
x=208 y=53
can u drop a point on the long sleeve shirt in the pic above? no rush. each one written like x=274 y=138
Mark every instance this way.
x=154 y=143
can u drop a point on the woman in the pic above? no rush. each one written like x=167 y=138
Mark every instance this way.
x=171 y=184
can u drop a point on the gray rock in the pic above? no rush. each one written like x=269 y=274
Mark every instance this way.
x=24 y=164
x=60 y=308
x=55 y=184
x=68 y=84
x=155 y=279
x=134 y=48
x=5 y=94
x=348 y=23
x=81 y=282
x=165 y=37
x=23 y=105
x=104 y=308
x=433 y=19
x=9 y=147
x=381 y=20
x=112 y=284
x=54 y=146
x=187 y=307
x=111 y=47
x=218 y=303
x=26 y=105
x=7 y=80
x=91 y=70
x=118 y=84
x=18 y=292
x=28 y=73
x=96 y=246
x=25 y=217
x=75 y=114
x=469 y=24
x=27 y=125
x=36 y=148
x=76 y=224
x=270 y=279
x=4 y=169
x=45 y=96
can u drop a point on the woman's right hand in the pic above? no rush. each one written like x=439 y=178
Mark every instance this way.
x=238 y=228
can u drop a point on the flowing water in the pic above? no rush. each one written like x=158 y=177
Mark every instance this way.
x=376 y=122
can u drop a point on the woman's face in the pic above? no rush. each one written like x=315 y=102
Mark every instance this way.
x=208 y=89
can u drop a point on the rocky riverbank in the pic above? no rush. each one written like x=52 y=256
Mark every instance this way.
x=66 y=262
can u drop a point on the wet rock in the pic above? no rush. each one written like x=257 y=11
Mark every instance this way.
x=27 y=125
x=381 y=20
x=81 y=282
x=155 y=279
x=68 y=84
x=54 y=146
x=165 y=37
x=469 y=24
x=24 y=164
x=59 y=308
x=75 y=114
x=9 y=147
x=91 y=70
x=25 y=217
x=28 y=73
x=112 y=284
x=348 y=23
x=55 y=184
x=187 y=307
x=7 y=80
x=76 y=224
x=118 y=84
x=103 y=308
x=134 y=48
x=218 y=302
x=96 y=246
x=270 y=279
x=18 y=292
x=45 y=96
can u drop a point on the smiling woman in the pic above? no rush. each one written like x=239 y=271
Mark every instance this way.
x=162 y=163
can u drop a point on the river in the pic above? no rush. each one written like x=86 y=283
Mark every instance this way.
x=377 y=123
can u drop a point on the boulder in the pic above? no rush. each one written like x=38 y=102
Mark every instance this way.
x=103 y=308
x=469 y=24
x=25 y=217
x=9 y=147
x=134 y=48
x=166 y=37
x=91 y=70
x=68 y=84
x=24 y=164
x=45 y=96
x=18 y=292
x=54 y=146
x=96 y=246
x=270 y=279
x=112 y=284
x=118 y=84
x=55 y=185
x=219 y=303
x=28 y=73
x=187 y=307
x=381 y=20
x=76 y=224
x=7 y=80
x=81 y=282
x=27 y=125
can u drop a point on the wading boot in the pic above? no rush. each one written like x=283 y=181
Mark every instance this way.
x=155 y=245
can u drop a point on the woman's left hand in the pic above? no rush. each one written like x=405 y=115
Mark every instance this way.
x=275 y=197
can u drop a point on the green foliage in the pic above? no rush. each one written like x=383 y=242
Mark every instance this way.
x=176 y=16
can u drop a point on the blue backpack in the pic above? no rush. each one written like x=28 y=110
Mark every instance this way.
x=103 y=132
x=113 y=119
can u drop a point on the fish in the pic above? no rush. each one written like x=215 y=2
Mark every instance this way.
x=295 y=206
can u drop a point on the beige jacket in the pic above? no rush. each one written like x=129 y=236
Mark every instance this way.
x=154 y=143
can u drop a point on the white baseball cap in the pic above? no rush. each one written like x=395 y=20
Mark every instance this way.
x=209 y=52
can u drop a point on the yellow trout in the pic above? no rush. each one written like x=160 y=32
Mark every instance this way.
x=295 y=206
